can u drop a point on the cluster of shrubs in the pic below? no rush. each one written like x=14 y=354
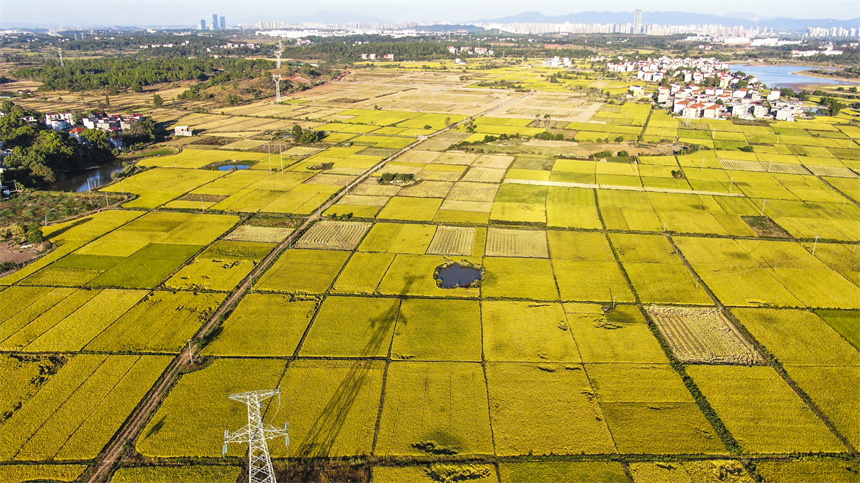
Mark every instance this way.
x=392 y=178
x=621 y=156
x=18 y=233
x=342 y=217
x=489 y=138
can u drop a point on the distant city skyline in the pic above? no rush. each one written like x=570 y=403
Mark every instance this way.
x=70 y=13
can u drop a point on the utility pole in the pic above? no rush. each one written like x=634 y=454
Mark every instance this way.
x=281 y=148
x=815 y=244
x=256 y=433
x=190 y=350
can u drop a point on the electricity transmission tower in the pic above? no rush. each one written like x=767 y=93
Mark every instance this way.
x=256 y=433
x=60 y=53
x=277 y=79
x=278 y=55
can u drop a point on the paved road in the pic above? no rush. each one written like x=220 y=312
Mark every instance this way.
x=129 y=432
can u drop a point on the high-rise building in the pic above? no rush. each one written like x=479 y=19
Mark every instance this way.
x=637 y=22
x=214 y=21
x=202 y=24
x=223 y=24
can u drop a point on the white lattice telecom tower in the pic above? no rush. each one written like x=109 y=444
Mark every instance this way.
x=256 y=433
x=278 y=55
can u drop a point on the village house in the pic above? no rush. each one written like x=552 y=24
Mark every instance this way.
x=59 y=121
x=183 y=131
x=637 y=91
x=76 y=132
x=116 y=142
x=747 y=103
x=114 y=124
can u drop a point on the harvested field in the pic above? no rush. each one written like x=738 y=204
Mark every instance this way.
x=330 y=179
x=267 y=234
x=372 y=188
x=335 y=235
x=362 y=200
x=493 y=161
x=763 y=167
x=833 y=172
x=471 y=206
x=473 y=192
x=427 y=189
x=703 y=335
x=452 y=241
x=502 y=242
x=484 y=175
x=453 y=157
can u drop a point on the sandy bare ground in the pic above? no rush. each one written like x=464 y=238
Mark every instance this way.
x=10 y=252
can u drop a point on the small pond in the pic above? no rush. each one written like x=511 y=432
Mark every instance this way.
x=455 y=275
x=231 y=167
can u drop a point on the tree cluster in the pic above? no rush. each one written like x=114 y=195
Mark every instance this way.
x=135 y=72
x=301 y=136
x=42 y=155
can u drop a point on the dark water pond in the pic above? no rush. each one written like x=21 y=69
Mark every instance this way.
x=455 y=275
x=90 y=179
x=231 y=167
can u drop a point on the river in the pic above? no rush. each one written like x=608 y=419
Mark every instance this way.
x=786 y=75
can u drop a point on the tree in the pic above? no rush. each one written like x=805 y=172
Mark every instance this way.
x=297 y=131
x=34 y=234
x=40 y=170
x=157 y=101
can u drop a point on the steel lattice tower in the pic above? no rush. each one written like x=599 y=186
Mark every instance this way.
x=255 y=434
x=276 y=78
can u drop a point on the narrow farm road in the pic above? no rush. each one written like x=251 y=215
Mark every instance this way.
x=138 y=419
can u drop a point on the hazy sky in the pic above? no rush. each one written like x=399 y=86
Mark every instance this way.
x=184 y=12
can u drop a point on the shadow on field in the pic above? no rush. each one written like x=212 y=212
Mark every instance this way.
x=323 y=435
x=68 y=227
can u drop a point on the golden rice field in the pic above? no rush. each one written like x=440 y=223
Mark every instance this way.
x=631 y=324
